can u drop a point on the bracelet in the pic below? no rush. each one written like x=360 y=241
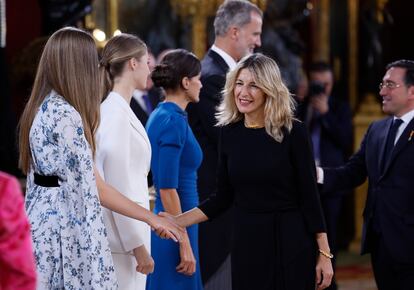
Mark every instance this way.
x=326 y=254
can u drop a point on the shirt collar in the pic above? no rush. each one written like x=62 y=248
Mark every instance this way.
x=227 y=58
x=407 y=117
x=137 y=94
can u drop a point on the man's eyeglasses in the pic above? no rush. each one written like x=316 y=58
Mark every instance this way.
x=388 y=85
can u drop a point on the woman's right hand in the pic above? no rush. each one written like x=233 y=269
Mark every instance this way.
x=144 y=260
x=187 y=264
x=166 y=228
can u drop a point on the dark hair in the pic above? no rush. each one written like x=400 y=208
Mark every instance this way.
x=320 y=66
x=176 y=65
x=408 y=65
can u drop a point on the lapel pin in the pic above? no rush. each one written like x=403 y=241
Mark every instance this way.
x=411 y=135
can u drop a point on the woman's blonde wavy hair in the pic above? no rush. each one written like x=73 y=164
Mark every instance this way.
x=69 y=66
x=279 y=104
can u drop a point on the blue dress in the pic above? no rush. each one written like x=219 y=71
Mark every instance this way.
x=175 y=160
x=69 y=236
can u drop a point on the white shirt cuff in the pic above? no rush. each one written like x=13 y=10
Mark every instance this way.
x=319 y=172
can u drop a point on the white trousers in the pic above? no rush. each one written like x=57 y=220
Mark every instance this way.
x=128 y=278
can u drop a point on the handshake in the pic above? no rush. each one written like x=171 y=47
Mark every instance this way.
x=172 y=227
x=167 y=226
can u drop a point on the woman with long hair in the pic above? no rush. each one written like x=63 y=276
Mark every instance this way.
x=176 y=158
x=266 y=171
x=123 y=156
x=56 y=152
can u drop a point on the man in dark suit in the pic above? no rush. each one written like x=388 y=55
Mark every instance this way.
x=386 y=157
x=238 y=26
x=144 y=102
x=329 y=120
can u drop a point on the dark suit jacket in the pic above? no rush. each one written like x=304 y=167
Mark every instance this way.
x=215 y=236
x=336 y=131
x=390 y=193
x=154 y=95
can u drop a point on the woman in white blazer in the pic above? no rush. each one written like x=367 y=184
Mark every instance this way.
x=123 y=157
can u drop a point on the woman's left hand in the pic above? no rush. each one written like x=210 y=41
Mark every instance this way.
x=166 y=228
x=324 y=272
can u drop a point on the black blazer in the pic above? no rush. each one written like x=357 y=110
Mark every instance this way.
x=154 y=95
x=202 y=120
x=390 y=193
x=215 y=236
x=139 y=112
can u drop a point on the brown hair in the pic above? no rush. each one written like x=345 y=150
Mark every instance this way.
x=69 y=66
x=117 y=51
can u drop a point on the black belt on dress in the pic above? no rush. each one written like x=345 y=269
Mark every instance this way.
x=46 y=181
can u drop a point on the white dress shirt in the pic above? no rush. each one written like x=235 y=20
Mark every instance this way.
x=227 y=58
x=138 y=96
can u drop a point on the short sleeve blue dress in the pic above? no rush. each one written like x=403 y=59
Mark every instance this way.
x=175 y=160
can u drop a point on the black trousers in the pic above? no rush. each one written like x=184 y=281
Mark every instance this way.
x=389 y=273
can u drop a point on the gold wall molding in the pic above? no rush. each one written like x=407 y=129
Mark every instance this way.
x=321 y=29
x=113 y=16
x=353 y=52
x=198 y=11
x=380 y=8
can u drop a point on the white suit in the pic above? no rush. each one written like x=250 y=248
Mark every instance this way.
x=123 y=159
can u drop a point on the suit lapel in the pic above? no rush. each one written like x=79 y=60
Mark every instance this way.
x=139 y=112
x=401 y=143
x=383 y=141
x=137 y=125
x=218 y=60
x=133 y=120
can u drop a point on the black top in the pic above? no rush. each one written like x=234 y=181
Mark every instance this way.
x=259 y=174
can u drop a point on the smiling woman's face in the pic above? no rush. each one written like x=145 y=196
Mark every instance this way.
x=249 y=98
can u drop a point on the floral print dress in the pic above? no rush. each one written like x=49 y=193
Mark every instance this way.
x=69 y=236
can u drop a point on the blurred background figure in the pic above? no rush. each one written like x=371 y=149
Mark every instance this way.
x=329 y=121
x=17 y=263
x=302 y=88
x=161 y=55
